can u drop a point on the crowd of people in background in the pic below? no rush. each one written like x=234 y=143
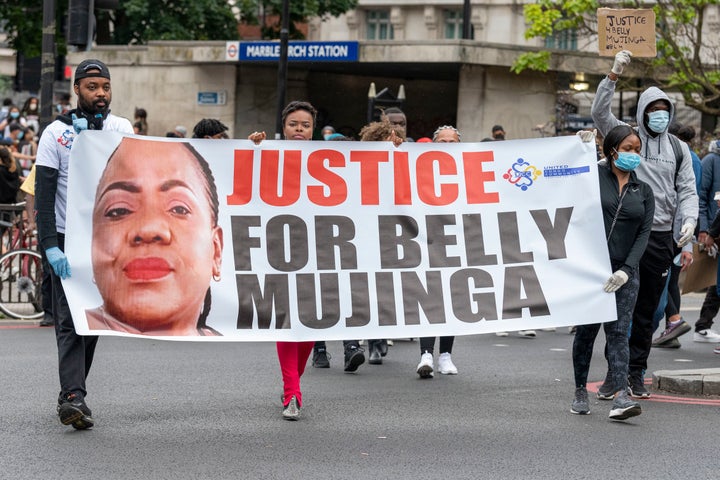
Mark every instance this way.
x=674 y=197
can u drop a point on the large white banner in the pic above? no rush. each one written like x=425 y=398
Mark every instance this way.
x=225 y=240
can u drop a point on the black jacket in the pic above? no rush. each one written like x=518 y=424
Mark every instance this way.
x=629 y=237
x=9 y=185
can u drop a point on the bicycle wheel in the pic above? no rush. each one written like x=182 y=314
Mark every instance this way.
x=20 y=284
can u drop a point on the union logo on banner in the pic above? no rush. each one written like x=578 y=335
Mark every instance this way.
x=522 y=174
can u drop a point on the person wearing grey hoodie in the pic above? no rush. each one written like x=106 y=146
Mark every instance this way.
x=673 y=186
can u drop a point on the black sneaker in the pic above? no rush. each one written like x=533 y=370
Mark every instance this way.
x=607 y=389
x=672 y=343
x=623 y=407
x=383 y=346
x=72 y=410
x=321 y=359
x=375 y=354
x=637 y=386
x=580 y=405
x=47 y=322
x=354 y=357
x=674 y=330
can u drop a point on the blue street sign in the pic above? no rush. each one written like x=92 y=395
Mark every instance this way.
x=211 y=98
x=299 y=51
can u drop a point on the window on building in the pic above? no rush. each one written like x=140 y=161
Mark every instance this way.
x=378 y=25
x=453 y=24
x=563 y=40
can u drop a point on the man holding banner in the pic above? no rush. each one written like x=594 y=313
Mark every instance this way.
x=673 y=183
x=75 y=353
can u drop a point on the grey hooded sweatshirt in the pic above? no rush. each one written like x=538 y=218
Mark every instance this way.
x=657 y=167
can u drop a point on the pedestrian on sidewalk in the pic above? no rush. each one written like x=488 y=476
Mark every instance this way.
x=298 y=121
x=628 y=206
x=709 y=206
x=669 y=305
x=75 y=352
x=667 y=167
x=425 y=369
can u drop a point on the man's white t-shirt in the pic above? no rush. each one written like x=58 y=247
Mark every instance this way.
x=54 y=152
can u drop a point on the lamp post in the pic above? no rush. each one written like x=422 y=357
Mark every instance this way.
x=47 y=64
x=371 y=101
x=385 y=98
x=282 y=68
x=467 y=32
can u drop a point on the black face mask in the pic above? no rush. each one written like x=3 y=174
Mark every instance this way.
x=499 y=137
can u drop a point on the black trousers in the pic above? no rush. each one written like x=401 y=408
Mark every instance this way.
x=654 y=267
x=709 y=309
x=427 y=344
x=46 y=288
x=346 y=344
x=75 y=352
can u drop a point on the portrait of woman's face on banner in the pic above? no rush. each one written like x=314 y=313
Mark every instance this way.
x=156 y=243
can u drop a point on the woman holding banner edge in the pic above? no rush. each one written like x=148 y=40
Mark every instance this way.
x=298 y=121
x=628 y=206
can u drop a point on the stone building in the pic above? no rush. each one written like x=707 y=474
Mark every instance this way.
x=413 y=44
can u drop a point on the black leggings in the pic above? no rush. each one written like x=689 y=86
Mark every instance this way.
x=616 y=335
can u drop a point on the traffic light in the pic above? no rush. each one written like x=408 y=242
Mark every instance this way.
x=81 y=20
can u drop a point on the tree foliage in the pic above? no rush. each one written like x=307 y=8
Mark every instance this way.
x=22 y=21
x=687 y=58
x=139 y=21
x=266 y=13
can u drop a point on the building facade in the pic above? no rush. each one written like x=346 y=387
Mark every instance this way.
x=416 y=45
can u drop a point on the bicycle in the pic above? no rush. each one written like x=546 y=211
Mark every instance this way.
x=13 y=228
x=20 y=267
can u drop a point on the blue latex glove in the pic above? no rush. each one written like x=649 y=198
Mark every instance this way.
x=79 y=124
x=59 y=262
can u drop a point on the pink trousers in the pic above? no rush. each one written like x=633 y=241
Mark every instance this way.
x=293 y=357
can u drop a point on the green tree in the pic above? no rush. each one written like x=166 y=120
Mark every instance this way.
x=686 y=61
x=22 y=22
x=256 y=12
x=138 y=21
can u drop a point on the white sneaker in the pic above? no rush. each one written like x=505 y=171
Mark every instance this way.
x=446 y=365
x=706 y=336
x=425 y=367
x=527 y=333
x=501 y=334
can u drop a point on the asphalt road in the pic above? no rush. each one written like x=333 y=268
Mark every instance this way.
x=177 y=410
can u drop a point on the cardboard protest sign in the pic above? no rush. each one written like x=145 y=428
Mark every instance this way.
x=701 y=274
x=626 y=29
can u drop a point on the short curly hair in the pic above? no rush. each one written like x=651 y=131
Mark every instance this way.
x=380 y=131
x=208 y=127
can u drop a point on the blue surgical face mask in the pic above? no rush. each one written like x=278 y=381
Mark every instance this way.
x=14 y=114
x=627 y=161
x=658 y=120
x=21 y=135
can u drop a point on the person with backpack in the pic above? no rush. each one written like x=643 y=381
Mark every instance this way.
x=668 y=171
x=669 y=306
